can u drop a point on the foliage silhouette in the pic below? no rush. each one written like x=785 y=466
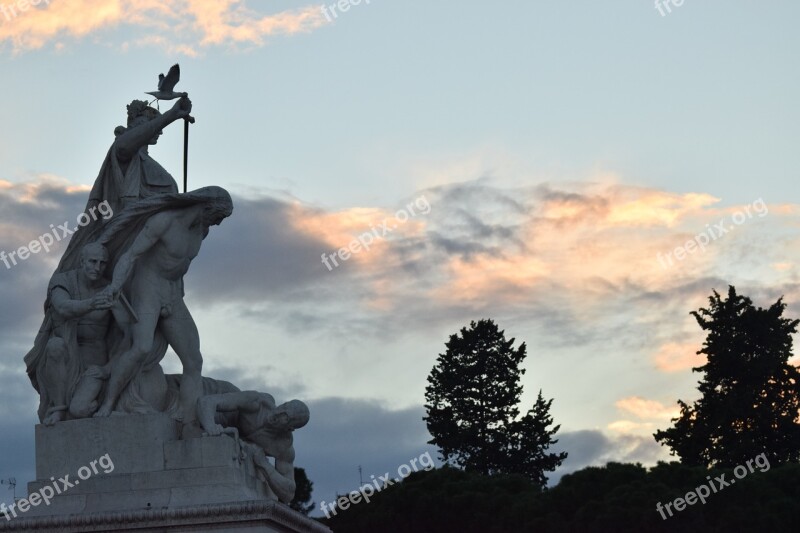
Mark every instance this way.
x=472 y=397
x=750 y=400
x=302 y=495
x=614 y=498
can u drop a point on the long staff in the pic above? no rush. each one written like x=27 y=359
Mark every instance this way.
x=185 y=153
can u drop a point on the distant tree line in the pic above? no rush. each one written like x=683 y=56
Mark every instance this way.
x=616 y=498
x=494 y=479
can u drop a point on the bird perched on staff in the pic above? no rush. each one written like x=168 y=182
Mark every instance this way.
x=166 y=85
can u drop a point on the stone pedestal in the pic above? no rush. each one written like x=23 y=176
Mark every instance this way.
x=126 y=473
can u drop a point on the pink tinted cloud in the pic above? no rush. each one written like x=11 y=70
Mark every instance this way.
x=182 y=26
x=678 y=357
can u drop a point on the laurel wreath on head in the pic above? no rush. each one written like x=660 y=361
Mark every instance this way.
x=136 y=109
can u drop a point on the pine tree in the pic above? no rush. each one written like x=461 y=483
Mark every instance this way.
x=529 y=440
x=472 y=412
x=750 y=401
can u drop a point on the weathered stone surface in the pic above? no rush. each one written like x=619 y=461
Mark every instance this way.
x=253 y=517
x=151 y=469
x=133 y=443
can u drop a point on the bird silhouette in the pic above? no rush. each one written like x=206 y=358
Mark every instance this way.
x=166 y=85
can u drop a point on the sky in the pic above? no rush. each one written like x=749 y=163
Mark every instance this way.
x=583 y=173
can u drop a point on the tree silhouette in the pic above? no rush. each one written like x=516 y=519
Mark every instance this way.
x=302 y=495
x=622 y=498
x=529 y=439
x=472 y=412
x=750 y=400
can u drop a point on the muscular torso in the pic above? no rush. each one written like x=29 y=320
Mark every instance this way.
x=171 y=256
x=251 y=428
x=92 y=327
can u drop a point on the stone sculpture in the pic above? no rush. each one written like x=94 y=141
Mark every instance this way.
x=129 y=173
x=161 y=254
x=83 y=316
x=114 y=305
x=266 y=428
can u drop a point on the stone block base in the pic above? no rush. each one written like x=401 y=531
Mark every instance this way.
x=251 y=517
x=131 y=473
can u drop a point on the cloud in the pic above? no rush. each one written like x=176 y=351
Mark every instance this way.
x=29 y=211
x=573 y=261
x=594 y=448
x=184 y=26
x=344 y=434
x=651 y=416
x=564 y=268
x=678 y=356
x=18 y=404
x=643 y=408
x=261 y=255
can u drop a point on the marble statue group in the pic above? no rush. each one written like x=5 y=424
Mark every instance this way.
x=116 y=303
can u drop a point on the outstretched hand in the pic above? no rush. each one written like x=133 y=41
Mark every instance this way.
x=182 y=107
x=109 y=294
x=102 y=300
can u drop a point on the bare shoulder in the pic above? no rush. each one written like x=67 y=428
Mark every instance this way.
x=249 y=395
x=267 y=399
x=244 y=400
x=159 y=222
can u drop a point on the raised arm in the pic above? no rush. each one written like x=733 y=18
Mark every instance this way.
x=129 y=142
